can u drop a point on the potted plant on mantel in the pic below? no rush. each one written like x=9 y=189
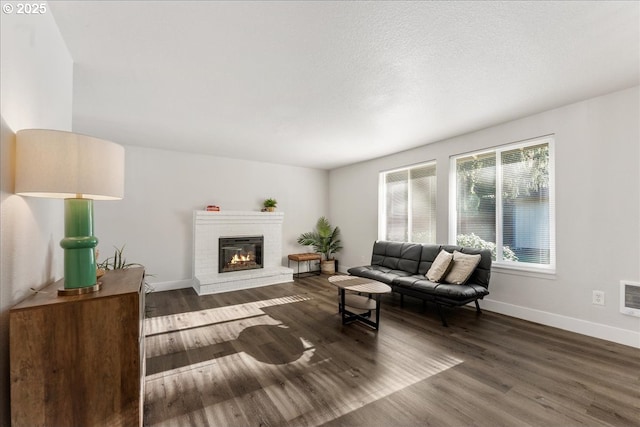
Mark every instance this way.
x=270 y=204
x=325 y=240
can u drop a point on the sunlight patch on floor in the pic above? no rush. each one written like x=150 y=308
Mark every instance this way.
x=254 y=369
x=271 y=401
x=195 y=319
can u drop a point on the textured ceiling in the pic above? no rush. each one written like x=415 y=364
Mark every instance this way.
x=325 y=84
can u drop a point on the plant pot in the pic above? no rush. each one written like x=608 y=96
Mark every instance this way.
x=328 y=267
x=271 y=209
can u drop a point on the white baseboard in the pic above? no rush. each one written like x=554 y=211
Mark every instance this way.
x=172 y=285
x=584 y=327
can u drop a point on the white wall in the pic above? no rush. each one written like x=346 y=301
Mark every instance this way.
x=35 y=92
x=597 y=148
x=163 y=188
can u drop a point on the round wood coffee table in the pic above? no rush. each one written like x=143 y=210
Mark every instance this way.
x=355 y=306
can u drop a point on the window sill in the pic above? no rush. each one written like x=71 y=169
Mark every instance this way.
x=528 y=271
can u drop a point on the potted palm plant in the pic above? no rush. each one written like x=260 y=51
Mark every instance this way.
x=325 y=240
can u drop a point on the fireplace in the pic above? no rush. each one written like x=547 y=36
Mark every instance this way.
x=240 y=253
x=209 y=227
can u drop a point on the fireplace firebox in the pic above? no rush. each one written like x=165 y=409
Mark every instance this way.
x=240 y=253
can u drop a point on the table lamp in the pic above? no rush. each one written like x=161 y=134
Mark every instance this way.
x=80 y=169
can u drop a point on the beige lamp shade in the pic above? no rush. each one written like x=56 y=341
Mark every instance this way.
x=58 y=164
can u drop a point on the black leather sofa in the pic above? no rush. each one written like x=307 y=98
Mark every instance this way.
x=403 y=266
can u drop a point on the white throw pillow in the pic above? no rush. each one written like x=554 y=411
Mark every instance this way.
x=463 y=267
x=440 y=266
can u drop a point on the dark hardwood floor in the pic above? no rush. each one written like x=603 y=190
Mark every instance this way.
x=279 y=356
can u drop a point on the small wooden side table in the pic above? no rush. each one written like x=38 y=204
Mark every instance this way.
x=354 y=307
x=308 y=257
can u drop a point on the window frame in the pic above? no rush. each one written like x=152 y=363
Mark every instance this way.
x=382 y=197
x=498 y=150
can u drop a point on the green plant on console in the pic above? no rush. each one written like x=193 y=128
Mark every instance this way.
x=118 y=262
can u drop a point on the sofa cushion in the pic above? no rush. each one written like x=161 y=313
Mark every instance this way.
x=440 y=267
x=428 y=255
x=457 y=292
x=407 y=281
x=449 y=294
x=482 y=273
x=425 y=286
x=377 y=272
x=397 y=255
x=463 y=267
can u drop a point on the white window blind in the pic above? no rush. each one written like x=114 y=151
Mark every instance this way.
x=409 y=210
x=504 y=202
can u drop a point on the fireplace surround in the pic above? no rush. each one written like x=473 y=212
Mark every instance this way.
x=209 y=227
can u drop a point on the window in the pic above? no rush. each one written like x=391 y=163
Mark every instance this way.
x=503 y=200
x=408 y=204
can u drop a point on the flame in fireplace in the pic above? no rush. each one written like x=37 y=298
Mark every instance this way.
x=237 y=259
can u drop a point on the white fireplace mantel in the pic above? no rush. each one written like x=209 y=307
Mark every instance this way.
x=208 y=227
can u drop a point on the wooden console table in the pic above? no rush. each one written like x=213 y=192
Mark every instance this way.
x=79 y=360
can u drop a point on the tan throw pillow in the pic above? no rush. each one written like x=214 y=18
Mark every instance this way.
x=463 y=267
x=440 y=266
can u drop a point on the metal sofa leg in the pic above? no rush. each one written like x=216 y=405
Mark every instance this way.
x=478 y=307
x=441 y=313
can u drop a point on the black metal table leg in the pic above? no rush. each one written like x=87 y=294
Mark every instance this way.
x=349 y=317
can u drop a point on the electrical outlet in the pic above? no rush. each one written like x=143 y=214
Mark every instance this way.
x=598 y=298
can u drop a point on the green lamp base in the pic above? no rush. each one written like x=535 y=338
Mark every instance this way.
x=79 y=246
